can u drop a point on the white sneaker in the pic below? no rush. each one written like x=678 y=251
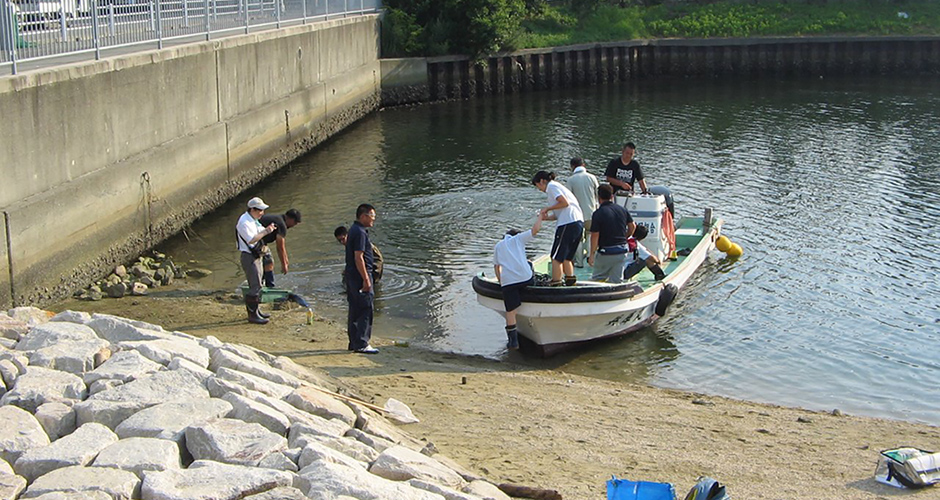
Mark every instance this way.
x=368 y=349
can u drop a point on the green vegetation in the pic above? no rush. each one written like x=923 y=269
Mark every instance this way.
x=476 y=27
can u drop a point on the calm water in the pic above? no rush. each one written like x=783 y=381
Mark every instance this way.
x=831 y=186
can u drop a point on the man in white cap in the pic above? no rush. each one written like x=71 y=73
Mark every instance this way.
x=250 y=232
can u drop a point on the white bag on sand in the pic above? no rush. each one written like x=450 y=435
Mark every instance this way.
x=908 y=468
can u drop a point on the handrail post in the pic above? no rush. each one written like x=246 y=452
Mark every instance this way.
x=277 y=5
x=208 y=29
x=62 y=30
x=94 y=29
x=111 y=22
x=9 y=31
x=185 y=13
x=246 y=15
x=159 y=26
x=305 y=11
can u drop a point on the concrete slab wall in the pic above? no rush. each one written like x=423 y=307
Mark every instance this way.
x=105 y=159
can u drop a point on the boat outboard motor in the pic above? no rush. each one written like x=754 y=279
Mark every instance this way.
x=666 y=296
x=647 y=210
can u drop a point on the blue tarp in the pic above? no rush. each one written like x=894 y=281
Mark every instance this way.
x=624 y=489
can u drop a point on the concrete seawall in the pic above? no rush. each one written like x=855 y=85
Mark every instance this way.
x=102 y=160
x=407 y=81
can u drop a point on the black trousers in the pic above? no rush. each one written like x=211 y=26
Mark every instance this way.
x=359 y=321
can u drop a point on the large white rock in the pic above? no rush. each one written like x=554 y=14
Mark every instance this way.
x=57 y=419
x=72 y=356
x=72 y=495
x=210 y=342
x=401 y=464
x=372 y=423
x=43 y=385
x=5 y=468
x=278 y=461
x=251 y=411
x=19 y=359
x=139 y=454
x=132 y=322
x=32 y=316
x=164 y=350
x=78 y=448
x=349 y=446
x=328 y=480
x=197 y=371
x=11 y=328
x=119 y=484
x=19 y=432
x=117 y=330
x=372 y=441
x=69 y=316
x=232 y=441
x=282 y=493
x=296 y=416
x=123 y=366
x=447 y=493
x=50 y=334
x=107 y=413
x=102 y=385
x=218 y=387
x=169 y=420
x=316 y=452
x=486 y=490
x=7 y=344
x=11 y=486
x=156 y=388
x=321 y=404
x=224 y=359
x=248 y=352
x=206 y=480
x=254 y=383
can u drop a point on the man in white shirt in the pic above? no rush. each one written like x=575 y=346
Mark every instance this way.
x=584 y=186
x=514 y=273
x=250 y=232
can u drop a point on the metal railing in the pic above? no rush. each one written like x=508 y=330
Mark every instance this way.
x=33 y=30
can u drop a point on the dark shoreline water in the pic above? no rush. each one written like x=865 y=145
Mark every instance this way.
x=831 y=186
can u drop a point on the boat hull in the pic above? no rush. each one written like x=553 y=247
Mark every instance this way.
x=551 y=325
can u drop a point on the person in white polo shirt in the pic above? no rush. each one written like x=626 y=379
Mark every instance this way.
x=250 y=232
x=514 y=273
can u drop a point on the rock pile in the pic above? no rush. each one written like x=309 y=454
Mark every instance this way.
x=148 y=272
x=101 y=407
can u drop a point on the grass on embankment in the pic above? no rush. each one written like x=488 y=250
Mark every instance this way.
x=560 y=26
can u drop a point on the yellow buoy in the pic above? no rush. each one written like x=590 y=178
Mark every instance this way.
x=735 y=250
x=723 y=244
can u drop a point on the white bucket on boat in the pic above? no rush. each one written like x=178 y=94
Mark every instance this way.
x=647 y=210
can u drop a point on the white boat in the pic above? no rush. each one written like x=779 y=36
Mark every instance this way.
x=553 y=319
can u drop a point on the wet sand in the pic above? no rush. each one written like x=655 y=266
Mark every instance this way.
x=549 y=429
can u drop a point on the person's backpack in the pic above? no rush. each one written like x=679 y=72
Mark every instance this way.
x=707 y=489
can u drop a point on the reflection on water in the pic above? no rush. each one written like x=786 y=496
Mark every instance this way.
x=831 y=187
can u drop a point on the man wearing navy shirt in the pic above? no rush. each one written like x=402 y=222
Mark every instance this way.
x=359 y=292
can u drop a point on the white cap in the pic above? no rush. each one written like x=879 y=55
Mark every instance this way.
x=258 y=203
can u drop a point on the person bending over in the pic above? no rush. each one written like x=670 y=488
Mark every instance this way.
x=514 y=273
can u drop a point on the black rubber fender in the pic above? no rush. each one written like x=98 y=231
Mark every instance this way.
x=666 y=296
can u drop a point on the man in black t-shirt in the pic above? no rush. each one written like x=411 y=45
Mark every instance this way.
x=283 y=222
x=623 y=171
x=611 y=225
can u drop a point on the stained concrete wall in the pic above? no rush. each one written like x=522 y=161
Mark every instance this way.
x=415 y=80
x=102 y=160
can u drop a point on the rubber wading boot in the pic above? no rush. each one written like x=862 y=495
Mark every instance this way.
x=251 y=304
x=513 y=337
x=658 y=272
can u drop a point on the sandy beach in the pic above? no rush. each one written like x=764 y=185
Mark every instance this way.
x=553 y=430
